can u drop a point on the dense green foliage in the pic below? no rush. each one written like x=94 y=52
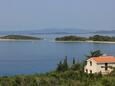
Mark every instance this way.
x=94 y=53
x=71 y=38
x=63 y=66
x=67 y=78
x=102 y=38
x=92 y=38
x=19 y=37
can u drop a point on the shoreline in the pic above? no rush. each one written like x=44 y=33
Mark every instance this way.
x=103 y=42
x=17 y=40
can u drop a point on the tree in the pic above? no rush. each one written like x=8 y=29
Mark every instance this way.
x=95 y=53
x=63 y=66
x=73 y=61
x=113 y=72
x=76 y=67
x=60 y=66
x=65 y=63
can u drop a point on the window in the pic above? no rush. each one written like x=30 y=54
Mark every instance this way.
x=90 y=63
x=91 y=71
x=86 y=71
x=106 y=66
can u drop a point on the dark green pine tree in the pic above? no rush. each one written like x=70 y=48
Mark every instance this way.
x=60 y=66
x=73 y=61
x=65 y=64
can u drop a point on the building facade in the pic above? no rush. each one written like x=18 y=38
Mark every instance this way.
x=103 y=64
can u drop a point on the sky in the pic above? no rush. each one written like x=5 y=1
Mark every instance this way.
x=39 y=14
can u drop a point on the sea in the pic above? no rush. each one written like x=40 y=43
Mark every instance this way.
x=30 y=57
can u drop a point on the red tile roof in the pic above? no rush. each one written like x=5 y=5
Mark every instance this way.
x=103 y=59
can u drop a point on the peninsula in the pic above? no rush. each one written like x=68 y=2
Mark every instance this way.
x=19 y=37
x=95 y=38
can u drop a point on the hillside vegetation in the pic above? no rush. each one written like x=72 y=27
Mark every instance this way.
x=71 y=38
x=20 y=37
x=101 y=38
x=91 y=38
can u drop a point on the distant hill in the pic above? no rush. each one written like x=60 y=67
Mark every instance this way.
x=105 y=32
x=46 y=31
x=63 y=30
x=20 y=37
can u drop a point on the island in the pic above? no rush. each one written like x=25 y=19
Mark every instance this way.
x=19 y=37
x=71 y=38
x=102 y=38
x=95 y=38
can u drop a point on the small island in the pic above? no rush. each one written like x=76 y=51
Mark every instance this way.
x=19 y=37
x=102 y=38
x=95 y=38
x=71 y=38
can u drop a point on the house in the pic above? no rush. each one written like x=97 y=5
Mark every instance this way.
x=103 y=64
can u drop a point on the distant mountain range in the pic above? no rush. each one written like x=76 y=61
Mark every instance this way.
x=56 y=31
x=105 y=32
x=46 y=31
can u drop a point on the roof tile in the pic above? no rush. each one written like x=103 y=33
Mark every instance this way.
x=103 y=59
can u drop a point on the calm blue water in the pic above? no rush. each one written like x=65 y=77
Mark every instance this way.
x=27 y=57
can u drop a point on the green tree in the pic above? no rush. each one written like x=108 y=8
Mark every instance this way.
x=73 y=60
x=65 y=63
x=76 y=67
x=63 y=66
x=94 y=53
x=113 y=72
x=60 y=66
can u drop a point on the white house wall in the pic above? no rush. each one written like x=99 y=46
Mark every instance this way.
x=93 y=67
x=97 y=67
x=100 y=69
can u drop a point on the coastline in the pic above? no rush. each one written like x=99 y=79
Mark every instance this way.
x=16 y=40
x=103 y=42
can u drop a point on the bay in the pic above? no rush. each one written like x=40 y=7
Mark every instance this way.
x=28 y=57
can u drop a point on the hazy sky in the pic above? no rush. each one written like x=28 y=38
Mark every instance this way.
x=36 y=14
